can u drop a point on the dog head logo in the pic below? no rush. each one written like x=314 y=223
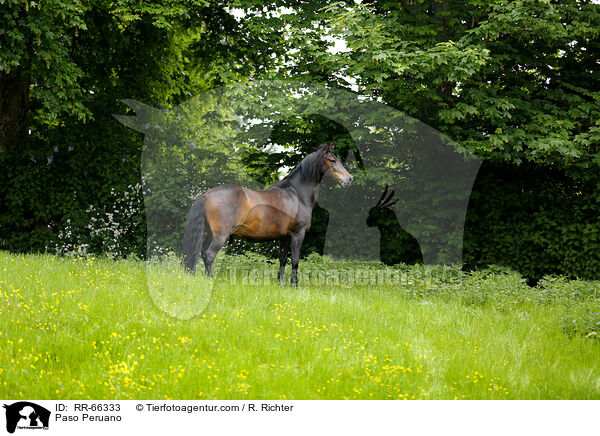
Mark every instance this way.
x=26 y=415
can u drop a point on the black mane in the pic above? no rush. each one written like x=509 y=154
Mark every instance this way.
x=307 y=169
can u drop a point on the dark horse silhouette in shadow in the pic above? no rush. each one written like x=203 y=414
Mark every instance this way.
x=282 y=212
x=396 y=245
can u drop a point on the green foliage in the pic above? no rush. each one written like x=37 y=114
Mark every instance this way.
x=51 y=195
x=77 y=153
x=36 y=38
x=71 y=50
x=584 y=321
x=534 y=219
x=516 y=82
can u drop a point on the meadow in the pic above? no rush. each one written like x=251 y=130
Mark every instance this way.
x=96 y=328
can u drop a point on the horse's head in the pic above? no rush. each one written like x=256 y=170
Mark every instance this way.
x=381 y=212
x=334 y=167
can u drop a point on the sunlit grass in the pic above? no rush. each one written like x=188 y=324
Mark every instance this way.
x=94 y=328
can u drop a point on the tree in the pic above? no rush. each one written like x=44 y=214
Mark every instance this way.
x=55 y=54
x=64 y=67
x=34 y=50
x=512 y=82
x=517 y=83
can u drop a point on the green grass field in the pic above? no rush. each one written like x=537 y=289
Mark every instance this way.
x=79 y=328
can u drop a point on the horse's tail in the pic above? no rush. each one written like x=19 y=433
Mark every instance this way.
x=194 y=234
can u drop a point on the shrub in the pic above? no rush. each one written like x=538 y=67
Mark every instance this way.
x=114 y=230
x=584 y=321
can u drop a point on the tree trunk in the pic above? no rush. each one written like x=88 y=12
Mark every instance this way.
x=14 y=109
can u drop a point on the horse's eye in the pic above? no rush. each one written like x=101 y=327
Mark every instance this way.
x=331 y=160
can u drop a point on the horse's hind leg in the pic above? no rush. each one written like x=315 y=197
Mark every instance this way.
x=207 y=241
x=208 y=255
x=283 y=255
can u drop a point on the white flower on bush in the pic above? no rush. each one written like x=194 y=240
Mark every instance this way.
x=105 y=228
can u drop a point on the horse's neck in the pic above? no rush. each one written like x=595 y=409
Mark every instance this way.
x=308 y=192
x=315 y=196
x=312 y=195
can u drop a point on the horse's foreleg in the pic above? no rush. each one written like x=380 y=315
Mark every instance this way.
x=211 y=251
x=283 y=255
x=296 y=243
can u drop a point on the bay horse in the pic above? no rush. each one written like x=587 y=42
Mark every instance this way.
x=282 y=211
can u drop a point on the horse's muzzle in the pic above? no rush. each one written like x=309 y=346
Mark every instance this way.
x=346 y=181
